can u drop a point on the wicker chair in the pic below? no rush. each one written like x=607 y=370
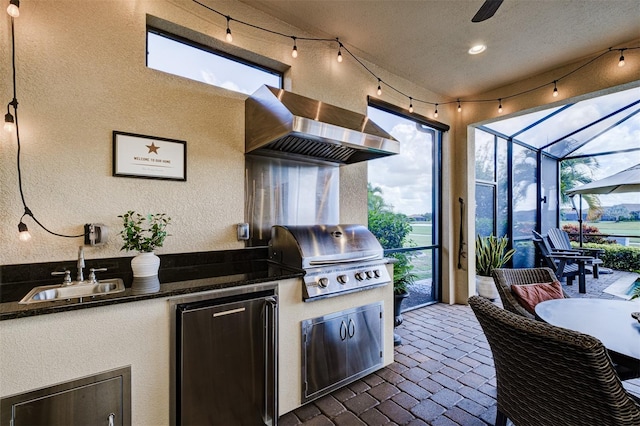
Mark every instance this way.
x=504 y=278
x=547 y=375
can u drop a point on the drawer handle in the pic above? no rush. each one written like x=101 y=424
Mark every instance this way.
x=229 y=312
x=112 y=418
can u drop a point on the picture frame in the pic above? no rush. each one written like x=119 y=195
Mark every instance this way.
x=149 y=157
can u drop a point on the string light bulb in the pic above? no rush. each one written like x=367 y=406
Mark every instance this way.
x=14 y=8
x=410 y=104
x=340 y=53
x=229 y=36
x=23 y=232
x=459 y=106
x=500 y=106
x=294 y=51
x=555 y=88
x=379 y=87
x=435 y=113
x=9 y=123
x=621 y=61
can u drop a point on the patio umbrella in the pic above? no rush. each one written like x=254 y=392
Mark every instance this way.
x=625 y=181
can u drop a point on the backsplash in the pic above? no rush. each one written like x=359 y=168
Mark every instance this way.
x=17 y=280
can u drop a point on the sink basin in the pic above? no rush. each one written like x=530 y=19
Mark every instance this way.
x=50 y=293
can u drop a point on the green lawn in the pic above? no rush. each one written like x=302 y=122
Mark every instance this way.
x=420 y=234
x=620 y=228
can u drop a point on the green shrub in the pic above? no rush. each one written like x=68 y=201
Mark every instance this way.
x=620 y=258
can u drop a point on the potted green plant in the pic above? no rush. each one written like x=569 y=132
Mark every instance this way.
x=144 y=234
x=491 y=253
x=402 y=279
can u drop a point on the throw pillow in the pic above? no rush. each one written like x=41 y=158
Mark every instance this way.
x=529 y=295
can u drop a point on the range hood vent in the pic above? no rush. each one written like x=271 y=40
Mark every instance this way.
x=282 y=124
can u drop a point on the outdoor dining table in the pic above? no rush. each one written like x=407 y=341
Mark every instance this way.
x=609 y=321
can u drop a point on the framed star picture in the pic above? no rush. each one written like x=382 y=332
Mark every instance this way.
x=149 y=157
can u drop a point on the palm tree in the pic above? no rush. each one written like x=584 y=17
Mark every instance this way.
x=575 y=172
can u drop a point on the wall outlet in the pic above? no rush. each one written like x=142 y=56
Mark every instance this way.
x=95 y=234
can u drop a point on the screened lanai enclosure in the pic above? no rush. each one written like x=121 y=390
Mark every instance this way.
x=519 y=162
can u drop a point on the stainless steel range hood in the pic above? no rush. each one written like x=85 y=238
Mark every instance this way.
x=282 y=124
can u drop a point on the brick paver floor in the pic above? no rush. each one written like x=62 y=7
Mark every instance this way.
x=443 y=374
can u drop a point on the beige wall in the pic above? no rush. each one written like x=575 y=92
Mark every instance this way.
x=81 y=74
x=601 y=77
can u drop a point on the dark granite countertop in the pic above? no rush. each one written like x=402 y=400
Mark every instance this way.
x=258 y=271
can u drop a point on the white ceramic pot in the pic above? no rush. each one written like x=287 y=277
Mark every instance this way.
x=145 y=265
x=486 y=287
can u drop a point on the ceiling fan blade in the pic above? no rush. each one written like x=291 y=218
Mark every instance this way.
x=487 y=10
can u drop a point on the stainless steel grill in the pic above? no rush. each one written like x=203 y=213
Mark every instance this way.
x=337 y=259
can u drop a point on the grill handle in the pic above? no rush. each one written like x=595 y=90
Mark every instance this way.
x=331 y=262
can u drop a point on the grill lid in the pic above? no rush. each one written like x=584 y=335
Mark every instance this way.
x=284 y=124
x=313 y=246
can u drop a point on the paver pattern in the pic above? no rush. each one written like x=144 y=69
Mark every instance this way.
x=443 y=374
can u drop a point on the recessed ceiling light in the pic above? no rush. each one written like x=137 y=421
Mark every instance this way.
x=478 y=48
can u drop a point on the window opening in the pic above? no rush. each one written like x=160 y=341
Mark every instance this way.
x=179 y=56
x=404 y=204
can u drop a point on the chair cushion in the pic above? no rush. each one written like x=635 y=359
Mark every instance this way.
x=529 y=295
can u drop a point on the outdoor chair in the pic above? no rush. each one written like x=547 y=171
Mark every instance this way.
x=564 y=264
x=504 y=278
x=560 y=241
x=547 y=375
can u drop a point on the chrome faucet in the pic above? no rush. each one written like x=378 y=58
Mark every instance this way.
x=80 y=277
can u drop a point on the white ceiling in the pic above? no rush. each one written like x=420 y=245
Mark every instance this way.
x=426 y=41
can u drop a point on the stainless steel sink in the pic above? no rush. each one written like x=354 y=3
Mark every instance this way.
x=50 y=293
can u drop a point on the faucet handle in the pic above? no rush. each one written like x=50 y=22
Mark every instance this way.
x=92 y=274
x=67 y=276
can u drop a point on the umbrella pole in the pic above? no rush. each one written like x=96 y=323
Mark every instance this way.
x=580 y=219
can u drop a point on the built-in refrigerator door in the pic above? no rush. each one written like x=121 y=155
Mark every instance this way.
x=226 y=362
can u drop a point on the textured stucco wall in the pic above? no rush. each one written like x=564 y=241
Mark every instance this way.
x=49 y=349
x=81 y=74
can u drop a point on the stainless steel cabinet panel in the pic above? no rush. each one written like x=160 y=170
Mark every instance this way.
x=103 y=399
x=340 y=348
x=225 y=361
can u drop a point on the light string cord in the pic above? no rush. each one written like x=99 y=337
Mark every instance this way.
x=14 y=104
x=379 y=80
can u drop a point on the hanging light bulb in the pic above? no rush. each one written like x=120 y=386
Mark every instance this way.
x=294 y=52
x=9 y=123
x=379 y=87
x=555 y=89
x=459 y=106
x=410 y=104
x=435 y=113
x=340 y=53
x=23 y=232
x=621 y=61
x=14 y=8
x=499 y=106
x=229 y=36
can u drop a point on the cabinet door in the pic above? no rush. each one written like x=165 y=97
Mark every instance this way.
x=364 y=349
x=325 y=353
x=222 y=364
x=103 y=399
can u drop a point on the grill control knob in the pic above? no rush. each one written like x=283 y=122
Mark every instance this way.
x=376 y=273
x=369 y=275
x=359 y=276
x=323 y=282
x=343 y=279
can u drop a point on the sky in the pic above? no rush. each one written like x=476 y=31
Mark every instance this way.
x=406 y=178
x=610 y=134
